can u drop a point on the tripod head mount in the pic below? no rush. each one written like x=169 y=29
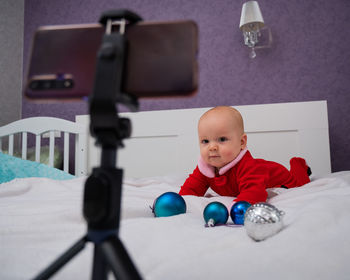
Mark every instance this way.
x=120 y=14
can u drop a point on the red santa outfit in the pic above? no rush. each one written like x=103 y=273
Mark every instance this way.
x=246 y=178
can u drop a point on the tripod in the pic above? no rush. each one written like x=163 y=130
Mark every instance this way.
x=102 y=194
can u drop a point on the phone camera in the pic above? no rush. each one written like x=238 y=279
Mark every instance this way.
x=64 y=84
x=46 y=84
x=34 y=85
x=51 y=84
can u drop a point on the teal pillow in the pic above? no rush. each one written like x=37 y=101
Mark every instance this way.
x=44 y=155
x=13 y=167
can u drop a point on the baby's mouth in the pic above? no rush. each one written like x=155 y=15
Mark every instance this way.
x=214 y=156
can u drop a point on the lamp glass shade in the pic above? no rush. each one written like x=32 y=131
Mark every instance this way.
x=251 y=17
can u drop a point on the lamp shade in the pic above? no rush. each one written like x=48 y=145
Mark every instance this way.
x=251 y=17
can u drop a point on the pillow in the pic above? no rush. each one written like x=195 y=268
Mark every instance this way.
x=44 y=155
x=13 y=167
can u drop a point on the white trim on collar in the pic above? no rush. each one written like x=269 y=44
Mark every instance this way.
x=209 y=171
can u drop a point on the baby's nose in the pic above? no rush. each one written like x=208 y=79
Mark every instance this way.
x=213 y=147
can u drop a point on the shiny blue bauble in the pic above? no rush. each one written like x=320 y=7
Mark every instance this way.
x=238 y=210
x=169 y=204
x=215 y=213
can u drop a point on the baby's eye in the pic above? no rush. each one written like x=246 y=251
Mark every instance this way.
x=222 y=139
x=205 y=141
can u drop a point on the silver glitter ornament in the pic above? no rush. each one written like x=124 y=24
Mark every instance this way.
x=263 y=220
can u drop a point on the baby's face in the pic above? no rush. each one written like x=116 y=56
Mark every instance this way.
x=220 y=138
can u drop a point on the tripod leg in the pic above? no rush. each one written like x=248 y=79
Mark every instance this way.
x=118 y=259
x=99 y=270
x=62 y=260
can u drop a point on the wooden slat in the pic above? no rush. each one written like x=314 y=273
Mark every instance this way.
x=66 y=152
x=37 y=147
x=51 y=148
x=11 y=145
x=24 y=145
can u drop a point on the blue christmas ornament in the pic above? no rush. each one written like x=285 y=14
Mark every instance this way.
x=169 y=204
x=215 y=213
x=238 y=210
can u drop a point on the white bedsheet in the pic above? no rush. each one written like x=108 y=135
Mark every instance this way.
x=41 y=218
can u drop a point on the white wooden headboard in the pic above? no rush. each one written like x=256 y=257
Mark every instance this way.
x=165 y=142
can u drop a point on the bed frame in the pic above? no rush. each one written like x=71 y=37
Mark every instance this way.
x=41 y=218
x=51 y=128
x=165 y=142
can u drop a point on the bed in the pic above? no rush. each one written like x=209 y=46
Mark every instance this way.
x=41 y=217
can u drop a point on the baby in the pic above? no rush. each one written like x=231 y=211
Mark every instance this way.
x=228 y=168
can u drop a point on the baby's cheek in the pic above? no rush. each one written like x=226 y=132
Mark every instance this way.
x=230 y=155
x=203 y=154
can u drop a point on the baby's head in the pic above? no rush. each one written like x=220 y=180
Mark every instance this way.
x=221 y=135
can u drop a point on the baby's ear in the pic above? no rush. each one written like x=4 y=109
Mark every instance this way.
x=244 y=141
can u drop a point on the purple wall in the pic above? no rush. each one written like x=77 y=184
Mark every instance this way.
x=309 y=59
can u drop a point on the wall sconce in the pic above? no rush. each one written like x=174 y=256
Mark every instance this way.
x=251 y=24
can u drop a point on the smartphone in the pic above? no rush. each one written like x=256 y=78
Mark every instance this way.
x=161 y=60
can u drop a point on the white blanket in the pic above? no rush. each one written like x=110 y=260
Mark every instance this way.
x=41 y=218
